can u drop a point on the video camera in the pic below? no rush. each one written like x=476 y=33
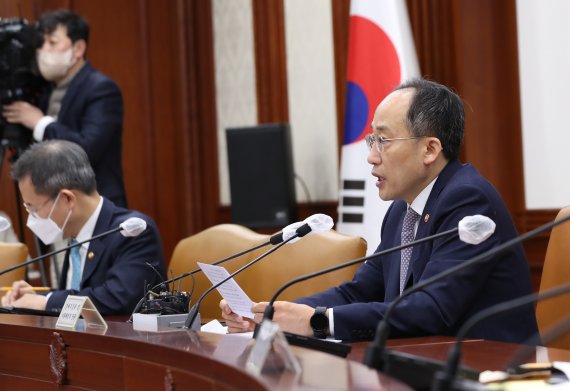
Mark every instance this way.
x=19 y=78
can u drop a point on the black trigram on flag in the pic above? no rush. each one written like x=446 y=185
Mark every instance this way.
x=355 y=201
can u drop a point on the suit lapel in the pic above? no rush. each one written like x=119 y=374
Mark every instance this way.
x=418 y=258
x=73 y=89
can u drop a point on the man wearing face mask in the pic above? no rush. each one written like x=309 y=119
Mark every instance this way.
x=82 y=105
x=58 y=188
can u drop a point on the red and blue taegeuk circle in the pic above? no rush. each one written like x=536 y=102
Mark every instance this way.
x=373 y=71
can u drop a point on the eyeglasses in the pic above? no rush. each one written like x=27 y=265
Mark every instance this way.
x=34 y=210
x=380 y=141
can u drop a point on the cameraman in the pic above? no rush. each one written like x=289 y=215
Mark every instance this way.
x=82 y=105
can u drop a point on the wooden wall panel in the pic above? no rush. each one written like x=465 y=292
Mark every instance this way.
x=161 y=54
x=270 y=61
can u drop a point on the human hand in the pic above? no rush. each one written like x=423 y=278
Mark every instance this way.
x=235 y=322
x=291 y=317
x=31 y=301
x=22 y=113
x=19 y=289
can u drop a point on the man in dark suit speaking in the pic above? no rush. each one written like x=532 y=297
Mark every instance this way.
x=59 y=192
x=82 y=105
x=414 y=150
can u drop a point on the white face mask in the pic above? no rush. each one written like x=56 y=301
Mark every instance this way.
x=55 y=65
x=46 y=229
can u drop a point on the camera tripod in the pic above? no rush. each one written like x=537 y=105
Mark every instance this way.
x=12 y=152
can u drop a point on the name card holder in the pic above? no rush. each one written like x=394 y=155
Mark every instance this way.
x=271 y=347
x=76 y=306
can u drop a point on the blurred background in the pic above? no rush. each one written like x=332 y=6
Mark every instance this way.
x=189 y=69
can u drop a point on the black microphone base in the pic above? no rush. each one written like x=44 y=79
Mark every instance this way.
x=418 y=372
x=335 y=348
x=442 y=383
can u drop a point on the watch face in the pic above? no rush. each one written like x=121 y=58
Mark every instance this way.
x=319 y=321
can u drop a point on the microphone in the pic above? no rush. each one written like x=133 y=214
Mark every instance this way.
x=444 y=381
x=131 y=227
x=285 y=233
x=311 y=225
x=471 y=230
x=376 y=356
x=4 y=224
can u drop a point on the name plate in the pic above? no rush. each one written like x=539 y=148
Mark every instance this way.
x=270 y=339
x=76 y=306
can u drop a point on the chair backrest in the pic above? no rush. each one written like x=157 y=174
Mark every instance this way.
x=312 y=253
x=11 y=254
x=209 y=246
x=555 y=272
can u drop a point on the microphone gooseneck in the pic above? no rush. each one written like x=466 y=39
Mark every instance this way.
x=275 y=239
x=132 y=233
x=375 y=356
x=193 y=313
x=444 y=381
x=269 y=310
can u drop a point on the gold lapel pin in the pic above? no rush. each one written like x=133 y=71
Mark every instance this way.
x=91 y=255
x=426 y=218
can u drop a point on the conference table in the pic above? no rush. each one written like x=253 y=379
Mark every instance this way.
x=35 y=355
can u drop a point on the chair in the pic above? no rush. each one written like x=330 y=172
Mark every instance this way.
x=556 y=271
x=208 y=246
x=10 y=255
x=312 y=253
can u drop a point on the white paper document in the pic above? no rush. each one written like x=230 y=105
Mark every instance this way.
x=236 y=298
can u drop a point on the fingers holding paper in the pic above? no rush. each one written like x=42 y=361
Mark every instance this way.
x=236 y=323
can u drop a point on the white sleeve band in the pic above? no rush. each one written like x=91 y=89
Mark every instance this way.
x=41 y=126
x=331 y=321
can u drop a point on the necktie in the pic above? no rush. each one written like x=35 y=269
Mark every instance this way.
x=410 y=220
x=75 y=266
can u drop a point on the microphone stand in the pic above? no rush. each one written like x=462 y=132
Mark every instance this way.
x=376 y=356
x=275 y=239
x=39 y=258
x=193 y=313
x=444 y=381
x=269 y=310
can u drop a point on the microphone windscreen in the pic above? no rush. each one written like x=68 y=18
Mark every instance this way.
x=290 y=231
x=132 y=227
x=4 y=224
x=476 y=229
x=319 y=223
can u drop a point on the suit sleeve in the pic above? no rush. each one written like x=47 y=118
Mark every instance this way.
x=121 y=278
x=438 y=308
x=96 y=117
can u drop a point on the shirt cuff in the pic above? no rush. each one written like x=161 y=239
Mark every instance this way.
x=331 y=322
x=41 y=126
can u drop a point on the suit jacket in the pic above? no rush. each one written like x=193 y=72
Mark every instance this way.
x=443 y=307
x=115 y=271
x=91 y=115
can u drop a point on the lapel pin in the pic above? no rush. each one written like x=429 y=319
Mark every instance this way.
x=426 y=218
x=91 y=255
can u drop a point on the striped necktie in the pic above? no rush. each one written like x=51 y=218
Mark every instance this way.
x=408 y=234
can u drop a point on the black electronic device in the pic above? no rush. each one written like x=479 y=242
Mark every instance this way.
x=166 y=303
x=19 y=78
x=262 y=179
x=320 y=322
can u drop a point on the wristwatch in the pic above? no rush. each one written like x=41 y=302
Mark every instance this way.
x=320 y=322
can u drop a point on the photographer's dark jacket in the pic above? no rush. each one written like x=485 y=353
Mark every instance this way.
x=91 y=115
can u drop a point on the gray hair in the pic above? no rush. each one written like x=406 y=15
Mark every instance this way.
x=437 y=111
x=55 y=165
